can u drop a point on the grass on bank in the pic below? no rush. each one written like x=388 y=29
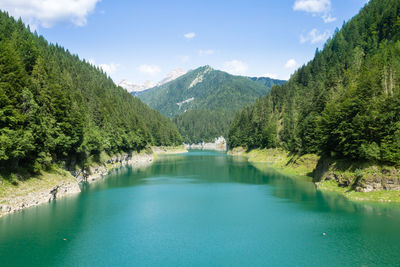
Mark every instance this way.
x=17 y=186
x=300 y=166
x=160 y=150
x=281 y=160
x=21 y=182
x=374 y=196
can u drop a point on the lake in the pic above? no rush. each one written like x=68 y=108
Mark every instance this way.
x=202 y=209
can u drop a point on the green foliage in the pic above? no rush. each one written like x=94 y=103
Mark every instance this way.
x=55 y=107
x=210 y=90
x=198 y=126
x=345 y=102
x=204 y=101
x=268 y=82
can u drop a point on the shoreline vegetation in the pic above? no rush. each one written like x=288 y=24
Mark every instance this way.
x=25 y=192
x=355 y=181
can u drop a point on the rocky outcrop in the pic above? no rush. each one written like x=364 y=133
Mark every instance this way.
x=219 y=145
x=96 y=173
x=360 y=177
x=37 y=197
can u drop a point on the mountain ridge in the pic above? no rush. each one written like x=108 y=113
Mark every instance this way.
x=203 y=102
x=137 y=89
x=205 y=86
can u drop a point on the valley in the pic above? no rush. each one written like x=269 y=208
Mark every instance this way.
x=274 y=140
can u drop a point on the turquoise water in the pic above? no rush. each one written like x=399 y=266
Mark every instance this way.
x=202 y=209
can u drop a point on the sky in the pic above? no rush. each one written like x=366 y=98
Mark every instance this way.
x=144 y=40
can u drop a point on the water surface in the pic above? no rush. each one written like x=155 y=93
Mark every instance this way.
x=202 y=209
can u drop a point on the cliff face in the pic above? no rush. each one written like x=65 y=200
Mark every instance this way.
x=219 y=145
x=49 y=187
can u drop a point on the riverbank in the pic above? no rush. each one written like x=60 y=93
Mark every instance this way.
x=57 y=183
x=355 y=181
x=34 y=191
x=161 y=150
x=280 y=160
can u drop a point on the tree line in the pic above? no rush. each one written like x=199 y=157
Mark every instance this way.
x=344 y=103
x=55 y=107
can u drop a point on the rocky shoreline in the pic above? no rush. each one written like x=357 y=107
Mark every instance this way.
x=96 y=173
x=35 y=198
x=69 y=183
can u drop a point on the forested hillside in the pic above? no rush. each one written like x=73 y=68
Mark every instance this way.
x=203 y=88
x=267 y=81
x=55 y=107
x=198 y=125
x=345 y=103
x=204 y=101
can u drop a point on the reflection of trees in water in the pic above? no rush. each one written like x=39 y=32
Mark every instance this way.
x=304 y=192
x=219 y=168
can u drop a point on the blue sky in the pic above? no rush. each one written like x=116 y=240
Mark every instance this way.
x=144 y=40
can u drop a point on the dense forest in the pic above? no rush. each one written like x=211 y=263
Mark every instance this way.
x=344 y=103
x=198 y=126
x=204 y=101
x=55 y=107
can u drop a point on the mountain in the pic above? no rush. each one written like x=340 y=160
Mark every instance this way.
x=267 y=81
x=56 y=108
x=203 y=88
x=344 y=104
x=192 y=98
x=137 y=89
x=175 y=74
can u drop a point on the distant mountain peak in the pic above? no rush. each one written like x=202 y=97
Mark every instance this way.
x=135 y=88
x=138 y=88
x=200 y=76
x=174 y=74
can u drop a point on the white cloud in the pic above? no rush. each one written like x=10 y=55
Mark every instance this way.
x=270 y=75
x=235 y=67
x=313 y=6
x=108 y=68
x=322 y=8
x=206 y=52
x=328 y=18
x=190 y=35
x=314 y=36
x=48 y=12
x=149 y=69
x=290 y=64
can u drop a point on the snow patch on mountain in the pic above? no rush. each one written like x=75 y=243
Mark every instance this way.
x=137 y=88
x=175 y=74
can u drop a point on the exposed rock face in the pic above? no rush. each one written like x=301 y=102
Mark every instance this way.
x=71 y=186
x=35 y=198
x=97 y=172
x=365 y=179
x=219 y=145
